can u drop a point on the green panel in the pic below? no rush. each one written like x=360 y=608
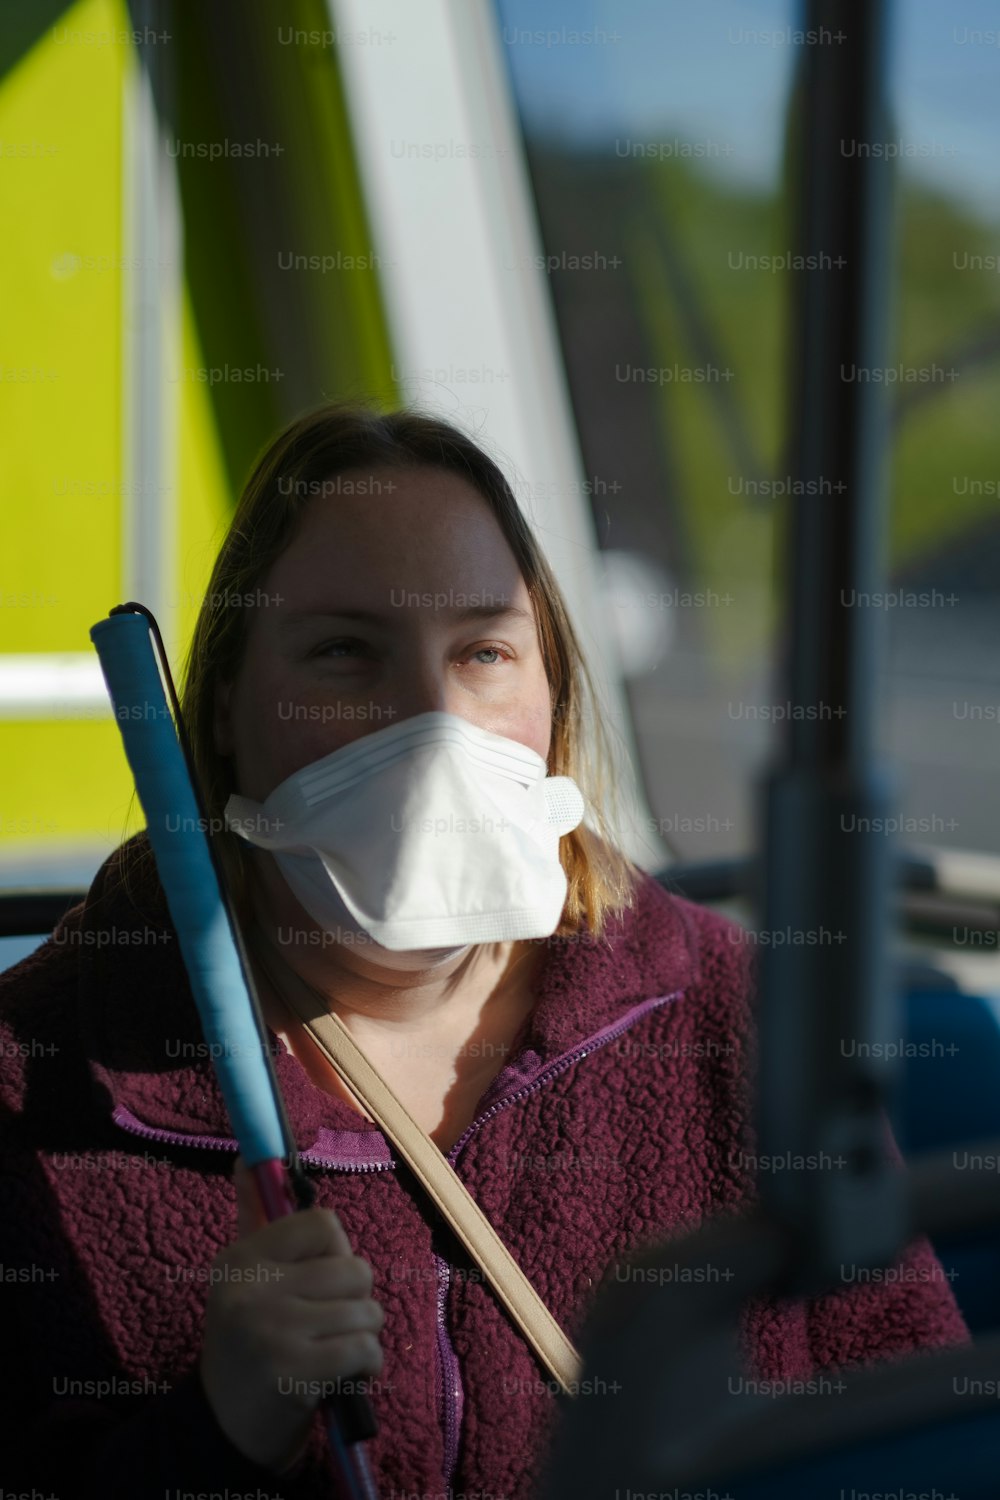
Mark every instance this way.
x=60 y=462
x=204 y=497
x=65 y=493
x=310 y=334
x=66 y=784
x=356 y=348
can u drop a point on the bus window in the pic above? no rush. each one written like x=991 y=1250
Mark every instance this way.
x=661 y=143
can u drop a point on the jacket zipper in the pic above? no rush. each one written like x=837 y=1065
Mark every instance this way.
x=226 y=1143
x=452 y=1396
x=451 y=1382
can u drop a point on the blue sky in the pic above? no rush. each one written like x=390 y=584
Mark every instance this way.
x=680 y=67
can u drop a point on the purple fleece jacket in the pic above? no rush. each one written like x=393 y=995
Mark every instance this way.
x=621 y=1117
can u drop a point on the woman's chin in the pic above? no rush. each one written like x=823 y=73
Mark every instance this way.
x=412 y=960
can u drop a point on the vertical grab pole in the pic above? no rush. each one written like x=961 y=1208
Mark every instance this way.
x=824 y=980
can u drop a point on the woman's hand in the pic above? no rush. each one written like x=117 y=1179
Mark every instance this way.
x=288 y=1310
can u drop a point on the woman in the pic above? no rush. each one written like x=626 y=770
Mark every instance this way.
x=589 y=1088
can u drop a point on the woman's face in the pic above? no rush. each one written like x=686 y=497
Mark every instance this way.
x=359 y=624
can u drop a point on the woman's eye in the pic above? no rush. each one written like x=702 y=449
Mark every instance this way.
x=351 y=645
x=331 y=646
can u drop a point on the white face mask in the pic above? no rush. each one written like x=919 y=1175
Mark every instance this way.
x=421 y=839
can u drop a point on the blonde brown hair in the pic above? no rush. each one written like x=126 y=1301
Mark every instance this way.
x=310 y=453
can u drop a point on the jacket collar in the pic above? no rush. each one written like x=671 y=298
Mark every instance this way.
x=142 y=1034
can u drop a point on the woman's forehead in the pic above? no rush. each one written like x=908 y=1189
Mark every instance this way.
x=401 y=482
x=452 y=606
x=436 y=532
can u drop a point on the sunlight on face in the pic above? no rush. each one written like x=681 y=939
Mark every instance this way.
x=360 y=624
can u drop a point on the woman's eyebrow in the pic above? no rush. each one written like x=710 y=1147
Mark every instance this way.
x=369 y=617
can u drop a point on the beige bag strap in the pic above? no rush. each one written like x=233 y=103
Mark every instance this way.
x=441 y=1182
